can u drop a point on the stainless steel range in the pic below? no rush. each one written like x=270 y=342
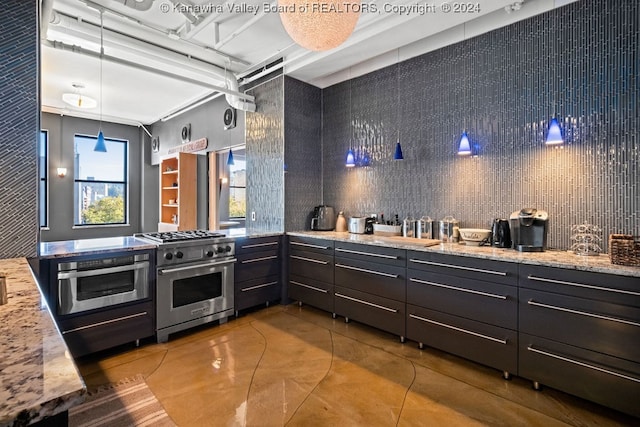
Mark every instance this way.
x=195 y=279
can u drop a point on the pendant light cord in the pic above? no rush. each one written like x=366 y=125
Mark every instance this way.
x=101 y=60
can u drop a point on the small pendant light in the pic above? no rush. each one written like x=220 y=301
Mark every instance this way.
x=100 y=145
x=397 y=154
x=351 y=159
x=465 y=146
x=230 y=161
x=554 y=134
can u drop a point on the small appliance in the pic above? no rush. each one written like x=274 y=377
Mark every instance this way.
x=323 y=218
x=501 y=233
x=529 y=228
x=357 y=225
x=368 y=225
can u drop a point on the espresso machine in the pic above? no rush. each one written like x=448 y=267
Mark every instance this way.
x=529 y=229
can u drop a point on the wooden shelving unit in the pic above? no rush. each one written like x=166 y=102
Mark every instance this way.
x=178 y=192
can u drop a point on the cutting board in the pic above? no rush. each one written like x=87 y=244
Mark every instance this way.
x=414 y=241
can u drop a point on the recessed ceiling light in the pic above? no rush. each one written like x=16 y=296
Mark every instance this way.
x=77 y=99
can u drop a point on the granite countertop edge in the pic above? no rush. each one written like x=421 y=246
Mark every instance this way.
x=95 y=246
x=38 y=376
x=548 y=258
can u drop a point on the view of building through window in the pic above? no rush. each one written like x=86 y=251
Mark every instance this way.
x=100 y=192
x=238 y=185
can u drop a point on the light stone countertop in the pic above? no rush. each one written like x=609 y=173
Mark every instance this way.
x=549 y=258
x=38 y=377
x=69 y=248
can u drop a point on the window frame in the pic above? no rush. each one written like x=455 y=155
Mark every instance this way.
x=238 y=186
x=126 y=175
x=43 y=177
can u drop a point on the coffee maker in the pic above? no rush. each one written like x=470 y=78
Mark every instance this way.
x=529 y=228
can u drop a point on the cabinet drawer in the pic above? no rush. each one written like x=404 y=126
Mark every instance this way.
x=382 y=313
x=311 y=264
x=482 y=301
x=603 y=287
x=310 y=244
x=369 y=253
x=595 y=325
x=101 y=330
x=482 y=343
x=257 y=264
x=594 y=376
x=257 y=244
x=256 y=292
x=377 y=279
x=461 y=266
x=313 y=292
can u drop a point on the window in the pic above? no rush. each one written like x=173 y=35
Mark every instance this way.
x=238 y=186
x=43 y=172
x=100 y=192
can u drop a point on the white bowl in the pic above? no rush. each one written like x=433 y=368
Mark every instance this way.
x=475 y=236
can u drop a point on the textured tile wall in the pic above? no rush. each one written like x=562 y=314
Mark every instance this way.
x=502 y=87
x=303 y=152
x=264 y=136
x=19 y=128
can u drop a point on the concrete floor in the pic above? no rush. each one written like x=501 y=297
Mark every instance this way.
x=296 y=366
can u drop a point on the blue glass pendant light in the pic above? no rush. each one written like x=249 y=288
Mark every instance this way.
x=100 y=145
x=554 y=134
x=397 y=155
x=465 y=146
x=351 y=159
x=230 y=161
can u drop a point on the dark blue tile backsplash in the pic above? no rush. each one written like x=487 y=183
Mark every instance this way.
x=579 y=63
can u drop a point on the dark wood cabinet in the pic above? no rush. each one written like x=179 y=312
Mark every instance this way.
x=257 y=275
x=370 y=286
x=580 y=333
x=465 y=306
x=311 y=272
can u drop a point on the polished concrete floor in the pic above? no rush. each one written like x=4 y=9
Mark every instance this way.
x=296 y=366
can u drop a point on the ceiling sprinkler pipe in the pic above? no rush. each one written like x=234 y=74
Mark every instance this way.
x=141 y=5
x=235 y=101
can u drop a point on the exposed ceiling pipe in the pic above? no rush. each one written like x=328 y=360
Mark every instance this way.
x=77 y=49
x=141 y=5
x=46 y=8
x=83 y=29
x=235 y=33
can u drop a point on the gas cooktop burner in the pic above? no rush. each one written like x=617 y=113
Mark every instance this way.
x=179 y=236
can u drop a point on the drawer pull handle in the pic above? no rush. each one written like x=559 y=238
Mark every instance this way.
x=582 y=313
x=581 y=285
x=459 y=267
x=301 y=258
x=248 y=261
x=444 y=325
x=106 y=322
x=308 y=245
x=364 y=270
x=252 y=288
x=370 y=304
x=455 y=288
x=313 y=288
x=259 y=245
x=349 y=251
x=586 y=365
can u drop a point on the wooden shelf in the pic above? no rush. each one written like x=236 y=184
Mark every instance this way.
x=183 y=215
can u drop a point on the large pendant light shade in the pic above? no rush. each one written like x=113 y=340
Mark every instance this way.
x=554 y=135
x=321 y=25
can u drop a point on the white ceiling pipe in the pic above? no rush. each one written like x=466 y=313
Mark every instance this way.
x=88 y=32
x=91 y=53
x=46 y=8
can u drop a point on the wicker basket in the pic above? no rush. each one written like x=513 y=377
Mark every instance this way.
x=624 y=249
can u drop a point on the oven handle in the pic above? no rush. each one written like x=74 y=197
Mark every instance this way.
x=101 y=271
x=192 y=267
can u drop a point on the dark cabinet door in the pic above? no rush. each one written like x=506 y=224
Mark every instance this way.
x=313 y=292
x=257 y=273
x=382 y=313
x=377 y=279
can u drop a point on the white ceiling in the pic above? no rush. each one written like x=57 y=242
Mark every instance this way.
x=157 y=61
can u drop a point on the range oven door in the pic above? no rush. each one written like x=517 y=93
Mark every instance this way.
x=92 y=284
x=190 y=294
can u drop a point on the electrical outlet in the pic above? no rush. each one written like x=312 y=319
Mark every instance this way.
x=253 y=216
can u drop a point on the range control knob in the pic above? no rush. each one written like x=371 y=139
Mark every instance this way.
x=227 y=248
x=168 y=256
x=209 y=253
x=220 y=249
x=178 y=254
